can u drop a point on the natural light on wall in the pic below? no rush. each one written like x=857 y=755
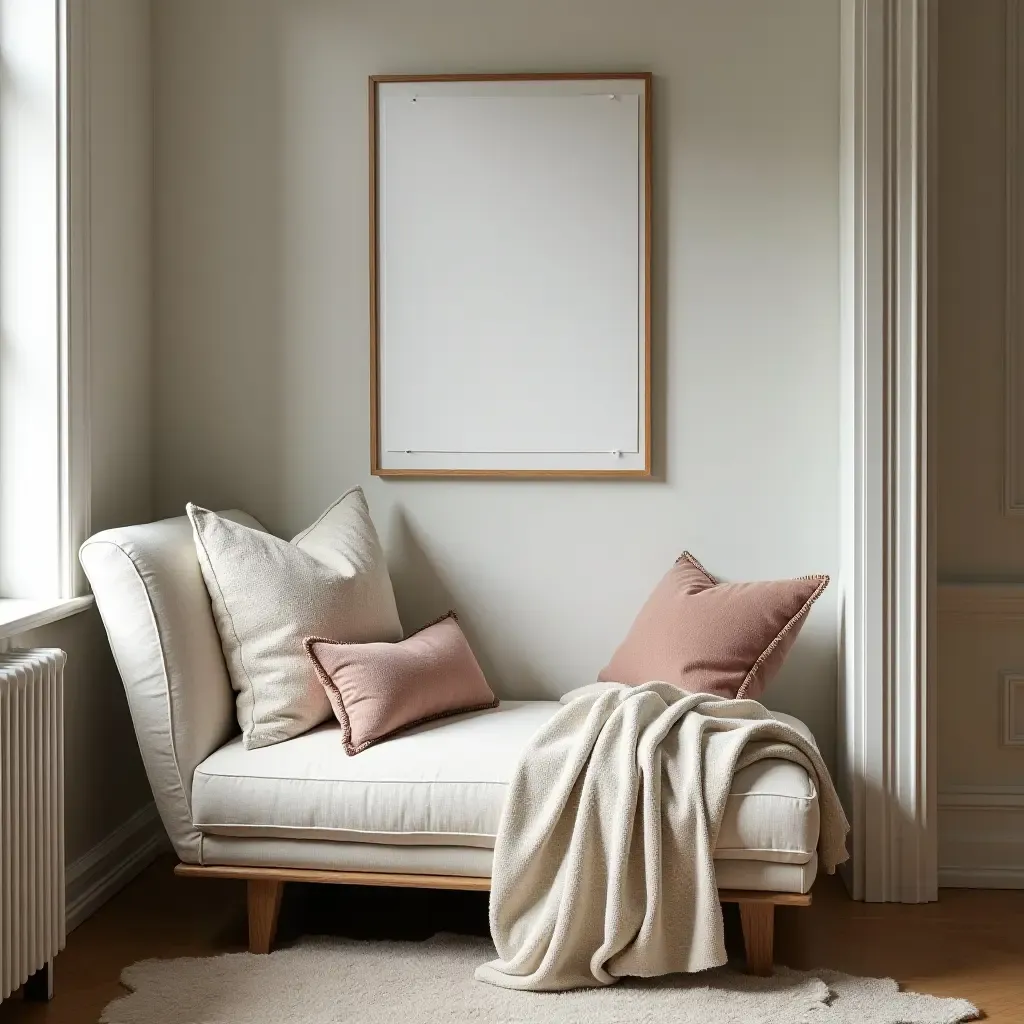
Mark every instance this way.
x=32 y=389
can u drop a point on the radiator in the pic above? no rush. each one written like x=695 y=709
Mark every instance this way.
x=32 y=926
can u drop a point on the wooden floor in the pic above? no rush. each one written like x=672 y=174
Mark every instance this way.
x=970 y=943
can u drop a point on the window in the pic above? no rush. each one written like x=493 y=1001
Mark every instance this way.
x=39 y=409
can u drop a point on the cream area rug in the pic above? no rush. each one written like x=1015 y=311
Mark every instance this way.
x=334 y=980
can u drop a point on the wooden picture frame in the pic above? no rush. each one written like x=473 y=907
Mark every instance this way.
x=637 y=463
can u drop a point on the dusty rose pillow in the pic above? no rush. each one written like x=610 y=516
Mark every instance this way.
x=378 y=689
x=728 y=639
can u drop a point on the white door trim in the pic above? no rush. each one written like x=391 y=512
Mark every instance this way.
x=886 y=700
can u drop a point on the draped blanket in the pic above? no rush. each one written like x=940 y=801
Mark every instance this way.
x=603 y=864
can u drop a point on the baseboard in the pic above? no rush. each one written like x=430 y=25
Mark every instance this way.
x=981 y=837
x=110 y=865
x=982 y=878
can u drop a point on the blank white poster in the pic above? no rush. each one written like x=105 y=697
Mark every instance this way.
x=510 y=276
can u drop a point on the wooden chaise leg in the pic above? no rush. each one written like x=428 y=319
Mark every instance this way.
x=264 y=899
x=758 y=920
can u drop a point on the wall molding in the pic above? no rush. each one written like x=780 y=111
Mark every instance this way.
x=1013 y=709
x=111 y=864
x=981 y=798
x=981 y=878
x=1013 y=485
x=981 y=600
x=981 y=837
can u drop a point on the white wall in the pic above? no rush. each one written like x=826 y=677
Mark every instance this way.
x=121 y=256
x=262 y=327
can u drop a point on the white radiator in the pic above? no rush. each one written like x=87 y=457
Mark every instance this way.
x=31 y=813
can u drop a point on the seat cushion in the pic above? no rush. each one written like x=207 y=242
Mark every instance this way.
x=443 y=783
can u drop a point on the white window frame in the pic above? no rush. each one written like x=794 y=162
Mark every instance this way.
x=74 y=143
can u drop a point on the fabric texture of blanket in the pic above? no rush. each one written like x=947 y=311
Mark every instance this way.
x=603 y=863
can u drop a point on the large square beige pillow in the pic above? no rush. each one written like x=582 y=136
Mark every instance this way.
x=269 y=594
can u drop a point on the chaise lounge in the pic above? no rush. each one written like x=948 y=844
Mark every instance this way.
x=421 y=810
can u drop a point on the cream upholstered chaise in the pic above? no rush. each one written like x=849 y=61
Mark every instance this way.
x=420 y=809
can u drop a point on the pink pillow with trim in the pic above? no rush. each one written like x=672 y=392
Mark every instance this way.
x=728 y=639
x=379 y=689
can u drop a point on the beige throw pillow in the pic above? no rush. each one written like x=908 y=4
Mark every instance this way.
x=268 y=595
x=380 y=689
x=728 y=639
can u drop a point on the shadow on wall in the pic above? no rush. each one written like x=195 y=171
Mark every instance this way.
x=424 y=592
x=421 y=590
x=222 y=325
x=805 y=687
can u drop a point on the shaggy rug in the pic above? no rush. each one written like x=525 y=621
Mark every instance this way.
x=329 y=981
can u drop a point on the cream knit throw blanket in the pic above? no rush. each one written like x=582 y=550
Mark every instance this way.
x=603 y=862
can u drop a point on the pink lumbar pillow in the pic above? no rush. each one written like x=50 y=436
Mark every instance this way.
x=728 y=639
x=378 y=689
